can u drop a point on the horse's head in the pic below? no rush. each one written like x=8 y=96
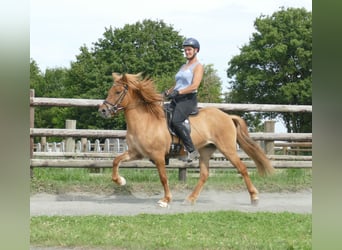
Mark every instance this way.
x=115 y=100
x=131 y=91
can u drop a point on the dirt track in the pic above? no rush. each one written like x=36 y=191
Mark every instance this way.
x=137 y=203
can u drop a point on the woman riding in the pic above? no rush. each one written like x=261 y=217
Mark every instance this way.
x=183 y=94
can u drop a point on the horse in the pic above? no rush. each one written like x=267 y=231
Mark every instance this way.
x=148 y=135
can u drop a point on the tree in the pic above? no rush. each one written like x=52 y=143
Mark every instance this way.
x=36 y=79
x=50 y=84
x=276 y=66
x=149 y=47
x=210 y=88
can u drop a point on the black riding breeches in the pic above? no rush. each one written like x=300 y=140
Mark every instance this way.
x=182 y=107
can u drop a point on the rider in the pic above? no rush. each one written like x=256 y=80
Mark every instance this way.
x=183 y=94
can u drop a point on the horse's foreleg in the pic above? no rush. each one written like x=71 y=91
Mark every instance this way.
x=160 y=164
x=115 y=174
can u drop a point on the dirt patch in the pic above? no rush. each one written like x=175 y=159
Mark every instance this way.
x=138 y=203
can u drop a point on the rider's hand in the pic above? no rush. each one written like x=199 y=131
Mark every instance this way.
x=173 y=94
x=166 y=93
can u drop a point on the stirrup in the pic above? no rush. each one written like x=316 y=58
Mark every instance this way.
x=192 y=156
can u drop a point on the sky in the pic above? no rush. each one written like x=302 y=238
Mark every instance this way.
x=59 y=28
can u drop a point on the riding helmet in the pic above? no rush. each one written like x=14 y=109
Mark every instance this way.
x=192 y=42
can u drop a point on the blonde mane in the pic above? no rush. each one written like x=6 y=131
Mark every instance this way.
x=143 y=89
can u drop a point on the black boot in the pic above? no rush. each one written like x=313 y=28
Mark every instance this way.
x=184 y=135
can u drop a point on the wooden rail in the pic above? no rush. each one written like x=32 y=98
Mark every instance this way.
x=105 y=163
x=67 y=102
x=97 y=133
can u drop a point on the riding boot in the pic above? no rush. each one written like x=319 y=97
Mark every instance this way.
x=184 y=135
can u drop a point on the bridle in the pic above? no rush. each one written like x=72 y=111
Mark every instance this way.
x=115 y=107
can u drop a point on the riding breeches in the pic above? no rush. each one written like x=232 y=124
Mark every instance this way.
x=182 y=107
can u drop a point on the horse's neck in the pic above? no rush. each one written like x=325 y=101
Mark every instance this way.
x=138 y=118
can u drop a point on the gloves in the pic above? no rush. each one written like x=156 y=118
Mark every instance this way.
x=166 y=93
x=173 y=94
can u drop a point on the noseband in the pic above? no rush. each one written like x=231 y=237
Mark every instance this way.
x=114 y=108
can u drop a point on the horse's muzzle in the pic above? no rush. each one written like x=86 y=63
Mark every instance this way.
x=104 y=112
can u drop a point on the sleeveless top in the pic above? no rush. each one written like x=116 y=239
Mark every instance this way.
x=184 y=77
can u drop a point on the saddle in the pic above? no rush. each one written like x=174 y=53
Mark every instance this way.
x=176 y=144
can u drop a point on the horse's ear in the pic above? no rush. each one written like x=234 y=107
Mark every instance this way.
x=124 y=78
x=140 y=75
x=116 y=76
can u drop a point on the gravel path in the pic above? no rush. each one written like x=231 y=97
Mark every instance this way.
x=137 y=203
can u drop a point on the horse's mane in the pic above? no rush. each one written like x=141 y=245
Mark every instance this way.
x=144 y=89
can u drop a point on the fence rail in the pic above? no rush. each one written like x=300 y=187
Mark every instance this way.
x=105 y=163
x=122 y=134
x=67 y=102
x=101 y=159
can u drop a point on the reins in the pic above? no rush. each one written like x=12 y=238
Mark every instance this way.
x=114 y=108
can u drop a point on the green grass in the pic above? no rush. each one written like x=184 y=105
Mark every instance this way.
x=210 y=230
x=147 y=180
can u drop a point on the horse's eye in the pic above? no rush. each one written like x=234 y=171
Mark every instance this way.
x=118 y=92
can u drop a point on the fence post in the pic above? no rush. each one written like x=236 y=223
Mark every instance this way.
x=269 y=145
x=31 y=126
x=106 y=147
x=84 y=145
x=70 y=142
x=78 y=146
x=54 y=147
x=43 y=142
x=97 y=146
x=182 y=174
x=88 y=146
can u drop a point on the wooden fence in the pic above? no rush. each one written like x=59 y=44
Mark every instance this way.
x=102 y=159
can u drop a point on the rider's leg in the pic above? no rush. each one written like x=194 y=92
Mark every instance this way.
x=184 y=135
x=181 y=111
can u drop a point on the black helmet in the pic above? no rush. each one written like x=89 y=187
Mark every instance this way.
x=192 y=42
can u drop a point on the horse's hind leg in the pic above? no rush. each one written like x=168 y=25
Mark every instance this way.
x=241 y=167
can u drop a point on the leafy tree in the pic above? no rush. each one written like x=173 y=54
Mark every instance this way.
x=50 y=84
x=37 y=81
x=276 y=66
x=150 y=47
x=210 y=88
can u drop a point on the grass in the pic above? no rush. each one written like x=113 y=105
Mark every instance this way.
x=210 y=230
x=147 y=180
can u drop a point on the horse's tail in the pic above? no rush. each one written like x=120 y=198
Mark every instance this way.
x=251 y=148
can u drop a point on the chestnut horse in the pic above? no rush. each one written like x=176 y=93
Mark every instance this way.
x=148 y=135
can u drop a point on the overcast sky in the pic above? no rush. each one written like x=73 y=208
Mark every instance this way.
x=59 y=28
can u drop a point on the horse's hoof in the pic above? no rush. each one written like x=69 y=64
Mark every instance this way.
x=162 y=204
x=188 y=202
x=122 y=181
x=255 y=201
